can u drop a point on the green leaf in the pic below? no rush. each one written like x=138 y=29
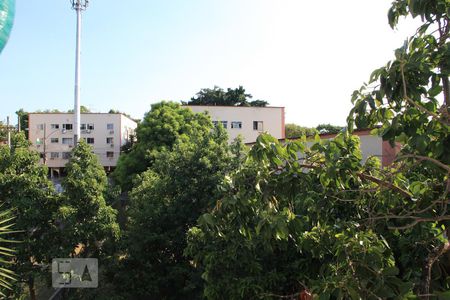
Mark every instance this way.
x=390 y=271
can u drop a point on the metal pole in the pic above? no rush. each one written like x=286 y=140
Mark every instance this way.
x=78 y=8
x=9 y=133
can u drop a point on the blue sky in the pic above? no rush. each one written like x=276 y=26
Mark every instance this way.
x=305 y=55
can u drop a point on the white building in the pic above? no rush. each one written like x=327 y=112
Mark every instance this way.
x=246 y=121
x=52 y=135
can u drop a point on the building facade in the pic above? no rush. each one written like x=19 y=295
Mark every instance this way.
x=51 y=134
x=248 y=122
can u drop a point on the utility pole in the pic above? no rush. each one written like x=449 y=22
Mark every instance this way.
x=9 y=133
x=79 y=6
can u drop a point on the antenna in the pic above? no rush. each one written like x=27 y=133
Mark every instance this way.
x=78 y=6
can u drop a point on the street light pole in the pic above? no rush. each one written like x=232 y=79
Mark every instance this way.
x=78 y=6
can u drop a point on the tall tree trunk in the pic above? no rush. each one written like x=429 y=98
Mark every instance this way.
x=31 y=287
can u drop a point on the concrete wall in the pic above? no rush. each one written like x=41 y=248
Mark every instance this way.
x=272 y=120
x=107 y=138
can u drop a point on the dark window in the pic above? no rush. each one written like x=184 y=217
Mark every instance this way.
x=67 y=126
x=258 y=125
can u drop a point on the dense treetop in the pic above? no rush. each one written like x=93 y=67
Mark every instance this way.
x=230 y=97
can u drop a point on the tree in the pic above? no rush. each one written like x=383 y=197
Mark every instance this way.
x=3 y=132
x=167 y=200
x=280 y=215
x=86 y=218
x=318 y=221
x=7 y=277
x=297 y=131
x=231 y=97
x=23 y=120
x=329 y=129
x=26 y=190
x=410 y=98
x=160 y=128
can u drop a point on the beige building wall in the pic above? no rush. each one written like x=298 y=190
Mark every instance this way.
x=370 y=145
x=240 y=120
x=51 y=135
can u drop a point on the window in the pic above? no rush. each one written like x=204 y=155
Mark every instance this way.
x=110 y=140
x=82 y=126
x=90 y=140
x=40 y=126
x=109 y=154
x=67 y=126
x=110 y=126
x=66 y=155
x=54 y=140
x=215 y=123
x=67 y=141
x=90 y=126
x=54 y=126
x=236 y=125
x=258 y=125
x=54 y=155
x=224 y=124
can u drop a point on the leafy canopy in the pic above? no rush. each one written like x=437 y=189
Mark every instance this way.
x=87 y=219
x=160 y=128
x=167 y=200
x=230 y=97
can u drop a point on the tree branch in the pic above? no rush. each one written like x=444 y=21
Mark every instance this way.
x=430 y=159
x=389 y=185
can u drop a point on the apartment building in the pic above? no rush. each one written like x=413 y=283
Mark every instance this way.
x=248 y=122
x=52 y=135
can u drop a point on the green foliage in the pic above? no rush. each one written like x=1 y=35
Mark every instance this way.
x=230 y=97
x=3 y=132
x=410 y=99
x=285 y=225
x=317 y=219
x=329 y=129
x=159 y=130
x=167 y=200
x=25 y=190
x=7 y=277
x=87 y=219
x=297 y=131
x=23 y=117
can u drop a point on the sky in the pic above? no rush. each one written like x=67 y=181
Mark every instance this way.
x=307 y=56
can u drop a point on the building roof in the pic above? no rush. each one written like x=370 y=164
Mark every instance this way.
x=233 y=106
x=83 y=113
